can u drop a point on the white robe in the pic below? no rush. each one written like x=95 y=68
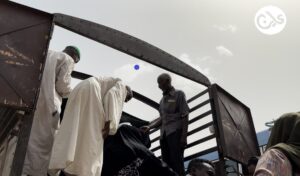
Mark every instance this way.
x=55 y=85
x=78 y=146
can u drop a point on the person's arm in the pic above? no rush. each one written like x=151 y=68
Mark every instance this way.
x=154 y=124
x=184 y=113
x=185 y=124
x=113 y=106
x=63 y=78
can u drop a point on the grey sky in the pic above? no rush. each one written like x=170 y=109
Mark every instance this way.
x=217 y=37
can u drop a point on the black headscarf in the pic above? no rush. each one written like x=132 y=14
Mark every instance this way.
x=285 y=136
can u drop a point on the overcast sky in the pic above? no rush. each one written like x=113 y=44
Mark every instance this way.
x=218 y=38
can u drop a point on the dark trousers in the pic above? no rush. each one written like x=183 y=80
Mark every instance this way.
x=172 y=152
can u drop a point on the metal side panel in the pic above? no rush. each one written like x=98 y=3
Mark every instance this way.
x=24 y=38
x=130 y=45
x=237 y=132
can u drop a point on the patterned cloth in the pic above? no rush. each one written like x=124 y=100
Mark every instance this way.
x=131 y=169
x=273 y=163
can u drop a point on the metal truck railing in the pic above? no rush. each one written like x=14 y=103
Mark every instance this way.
x=231 y=127
x=25 y=34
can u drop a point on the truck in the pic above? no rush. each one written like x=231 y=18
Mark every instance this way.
x=25 y=34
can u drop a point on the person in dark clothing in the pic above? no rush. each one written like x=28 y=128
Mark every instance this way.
x=200 y=167
x=126 y=153
x=173 y=122
x=282 y=156
x=251 y=165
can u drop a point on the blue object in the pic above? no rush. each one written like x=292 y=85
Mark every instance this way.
x=136 y=67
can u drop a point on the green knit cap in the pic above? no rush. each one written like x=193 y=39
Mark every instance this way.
x=76 y=49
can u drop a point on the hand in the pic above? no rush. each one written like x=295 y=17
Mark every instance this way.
x=105 y=130
x=145 y=129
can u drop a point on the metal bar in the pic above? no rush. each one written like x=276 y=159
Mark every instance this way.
x=196 y=155
x=4 y=155
x=190 y=122
x=200 y=116
x=130 y=45
x=217 y=125
x=23 y=138
x=10 y=122
x=216 y=115
x=188 y=134
x=207 y=138
x=155 y=148
x=200 y=105
x=155 y=139
x=197 y=96
x=25 y=27
x=200 y=128
x=5 y=115
x=153 y=131
x=145 y=100
x=80 y=75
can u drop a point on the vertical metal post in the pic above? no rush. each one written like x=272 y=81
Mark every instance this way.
x=23 y=138
x=220 y=168
x=4 y=156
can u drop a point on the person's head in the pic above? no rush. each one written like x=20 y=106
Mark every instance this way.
x=285 y=130
x=164 y=82
x=74 y=52
x=200 y=167
x=252 y=162
x=129 y=94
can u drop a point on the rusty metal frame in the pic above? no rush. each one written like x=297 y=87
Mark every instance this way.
x=23 y=138
x=219 y=136
x=130 y=45
x=146 y=52
x=198 y=129
x=24 y=52
x=217 y=116
x=224 y=149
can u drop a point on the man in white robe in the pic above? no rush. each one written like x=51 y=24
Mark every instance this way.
x=93 y=111
x=55 y=86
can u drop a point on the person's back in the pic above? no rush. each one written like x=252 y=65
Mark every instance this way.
x=93 y=111
x=55 y=85
x=52 y=91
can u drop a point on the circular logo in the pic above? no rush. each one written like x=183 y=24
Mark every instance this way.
x=270 y=20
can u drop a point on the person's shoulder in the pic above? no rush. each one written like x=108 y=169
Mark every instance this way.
x=67 y=58
x=109 y=79
x=59 y=55
x=179 y=92
x=51 y=51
